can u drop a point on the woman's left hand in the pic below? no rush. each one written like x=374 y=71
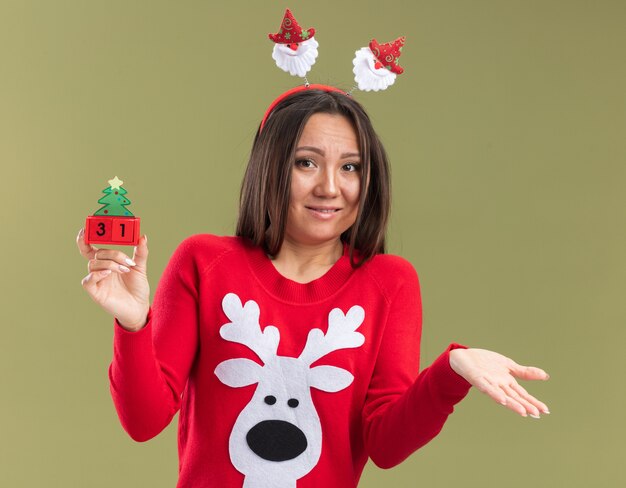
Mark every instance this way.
x=495 y=375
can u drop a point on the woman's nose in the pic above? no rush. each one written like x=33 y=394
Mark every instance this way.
x=327 y=185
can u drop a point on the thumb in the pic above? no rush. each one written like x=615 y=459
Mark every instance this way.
x=529 y=372
x=140 y=253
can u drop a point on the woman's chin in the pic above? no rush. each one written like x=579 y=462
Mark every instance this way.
x=313 y=239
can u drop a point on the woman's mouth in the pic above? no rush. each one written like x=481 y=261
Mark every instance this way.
x=323 y=212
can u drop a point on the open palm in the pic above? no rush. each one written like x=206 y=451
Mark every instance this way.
x=496 y=375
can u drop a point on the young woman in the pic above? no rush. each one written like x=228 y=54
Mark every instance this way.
x=292 y=349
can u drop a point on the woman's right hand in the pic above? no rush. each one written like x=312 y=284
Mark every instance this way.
x=117 y=283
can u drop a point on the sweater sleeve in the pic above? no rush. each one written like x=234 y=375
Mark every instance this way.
x=404 y=410
x=150 y=367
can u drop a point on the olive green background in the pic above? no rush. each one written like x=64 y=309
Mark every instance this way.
x=506 y=135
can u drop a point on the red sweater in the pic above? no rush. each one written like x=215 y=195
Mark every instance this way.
x=281 y=384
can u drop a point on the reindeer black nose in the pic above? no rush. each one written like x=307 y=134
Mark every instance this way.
x=276 y=440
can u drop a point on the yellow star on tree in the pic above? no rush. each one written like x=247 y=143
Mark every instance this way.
x=115 y=183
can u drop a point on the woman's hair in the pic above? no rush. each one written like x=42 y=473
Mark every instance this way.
x=265 y=189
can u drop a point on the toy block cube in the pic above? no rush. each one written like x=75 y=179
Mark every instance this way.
x=121 y=231
x=124 y=230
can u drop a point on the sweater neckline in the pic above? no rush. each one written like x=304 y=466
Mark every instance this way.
x=288 y=290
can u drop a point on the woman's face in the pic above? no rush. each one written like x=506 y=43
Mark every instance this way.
x=325 y=181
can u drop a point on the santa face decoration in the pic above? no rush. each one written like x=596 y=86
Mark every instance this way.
x=295 y=49
x=296 y=58
x=376 y=66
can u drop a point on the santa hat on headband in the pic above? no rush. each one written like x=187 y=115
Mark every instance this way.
x=290 y=31
x=387 y=54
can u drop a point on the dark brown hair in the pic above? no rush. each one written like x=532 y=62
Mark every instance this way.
x=265 y=189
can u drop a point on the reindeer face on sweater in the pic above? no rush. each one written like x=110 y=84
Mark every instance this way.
x=278 y=434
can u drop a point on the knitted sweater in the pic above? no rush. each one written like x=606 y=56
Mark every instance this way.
x=278 y=383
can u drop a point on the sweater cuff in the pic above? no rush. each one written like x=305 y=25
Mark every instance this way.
x=451 y=386
x=125 y=340
x=119 y=328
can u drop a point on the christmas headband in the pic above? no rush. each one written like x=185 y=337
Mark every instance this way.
x=295 y=51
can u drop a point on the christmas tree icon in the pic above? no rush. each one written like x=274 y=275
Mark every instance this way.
x=114 y=201
x=113 y=223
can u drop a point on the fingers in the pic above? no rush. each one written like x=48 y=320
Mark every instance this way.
x=518 y=394
x=495 y=392
x=523 y=403
x=110 y=259
x=90 y=282
x=503 y=396
x=519 y=403
x=140 y=253
x=103 y=262
x=86 y=250
x=522 y=393
x=514 y=397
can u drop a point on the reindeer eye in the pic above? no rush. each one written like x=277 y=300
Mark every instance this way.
x=293 y=403
x=271 y=400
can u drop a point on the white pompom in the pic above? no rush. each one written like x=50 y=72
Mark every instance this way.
x=369 y=78
x=298 y=62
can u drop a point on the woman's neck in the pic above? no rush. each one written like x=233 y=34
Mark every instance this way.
x=304 y=264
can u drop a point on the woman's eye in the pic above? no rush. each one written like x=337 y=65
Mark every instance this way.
x=304 y=163
x=352 y=167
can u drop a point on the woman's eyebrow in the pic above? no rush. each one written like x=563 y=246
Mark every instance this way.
x=321 y=152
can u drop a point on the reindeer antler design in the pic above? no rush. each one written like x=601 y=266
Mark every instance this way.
x=341 y=334
x=244 y=328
